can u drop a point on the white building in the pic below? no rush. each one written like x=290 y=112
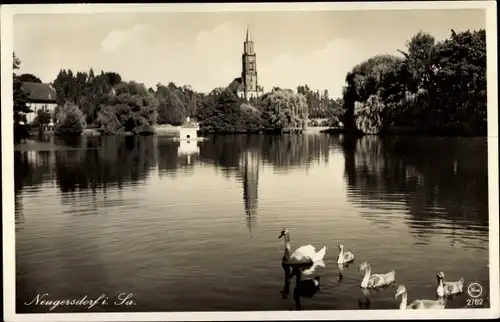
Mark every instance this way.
x=41 y=97
x=188 y=131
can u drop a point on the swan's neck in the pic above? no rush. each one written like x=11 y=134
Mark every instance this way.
x=440 y=291
x=288 y=247
x=368 y=271
x=341 y=253
x=440 y=288
x=404 y=301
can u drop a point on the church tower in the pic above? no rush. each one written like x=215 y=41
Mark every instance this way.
x=249 y=69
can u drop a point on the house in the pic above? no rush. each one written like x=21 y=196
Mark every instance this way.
x=41 y=96
x=188 y=131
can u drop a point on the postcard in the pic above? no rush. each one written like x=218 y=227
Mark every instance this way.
x=250 y=161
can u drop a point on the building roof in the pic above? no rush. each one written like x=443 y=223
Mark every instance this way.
x=40 y=92
x=188 y=125
x=236 y=85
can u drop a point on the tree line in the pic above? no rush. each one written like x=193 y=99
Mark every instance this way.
x=111 y=105
x=434 y=88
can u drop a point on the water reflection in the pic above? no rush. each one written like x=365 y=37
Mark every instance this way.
x=284 y=152
x=175 y=158
x=438 y=190
x=32 y=169
x=305 y=288
x=249 y=173
x=341 y=271
x=99 y=193
x=307 y=283
x=115 y=163
x=364 y=302
x=440 y=183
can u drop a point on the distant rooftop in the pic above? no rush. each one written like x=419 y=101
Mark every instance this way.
x=40 y=92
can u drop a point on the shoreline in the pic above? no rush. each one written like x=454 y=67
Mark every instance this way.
x=173 y=131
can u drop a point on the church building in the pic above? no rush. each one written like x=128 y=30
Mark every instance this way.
x=249 y=86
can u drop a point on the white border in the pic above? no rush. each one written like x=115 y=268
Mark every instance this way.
x=7 y=12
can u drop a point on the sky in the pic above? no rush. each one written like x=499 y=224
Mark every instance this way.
x=204 y=50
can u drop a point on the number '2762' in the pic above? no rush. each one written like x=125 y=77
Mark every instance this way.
x=474 y=302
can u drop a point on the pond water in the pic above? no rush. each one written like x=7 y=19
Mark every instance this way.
x=194 y=226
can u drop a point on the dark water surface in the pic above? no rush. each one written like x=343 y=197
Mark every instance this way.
x=195 y=227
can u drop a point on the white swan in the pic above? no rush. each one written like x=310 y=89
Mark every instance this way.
x=449 y=288
x=344 y=257
x=307 y=269
x=417 y=304
x=376 y=280
x=303 y=255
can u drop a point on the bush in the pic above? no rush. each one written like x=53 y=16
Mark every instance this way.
x=42 y=118
x=108 y=122
x=70 y=121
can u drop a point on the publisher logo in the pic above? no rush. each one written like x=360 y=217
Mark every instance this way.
x=475 y=290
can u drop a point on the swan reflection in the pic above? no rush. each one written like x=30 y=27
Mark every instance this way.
x=364 y=302
x=306 y=282
x=341 y=267
x=341 y=272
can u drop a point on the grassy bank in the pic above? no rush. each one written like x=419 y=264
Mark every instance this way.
x=159 y=130
x=167 y=130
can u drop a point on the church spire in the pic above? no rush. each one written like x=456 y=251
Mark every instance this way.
x=247 y=39
x=249 y=71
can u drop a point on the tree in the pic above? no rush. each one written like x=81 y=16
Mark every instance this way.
x=192 y=106
x=85 y=89
x=29 y=78
x=338 y=111
x=368 y=85
x=458 y=94
x=368 y=115
x=411 y=89
x=283 y=110
x=109 y=122
x=70 y=121
x=64 y=85
x=132 y=105
x=421 y=51
x=223 y=111
x=20 y=108
x=320 y=104
x=42 y=118
x=437 y=88
x=171 y=109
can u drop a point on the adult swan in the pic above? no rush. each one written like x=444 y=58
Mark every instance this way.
x=303 y=255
